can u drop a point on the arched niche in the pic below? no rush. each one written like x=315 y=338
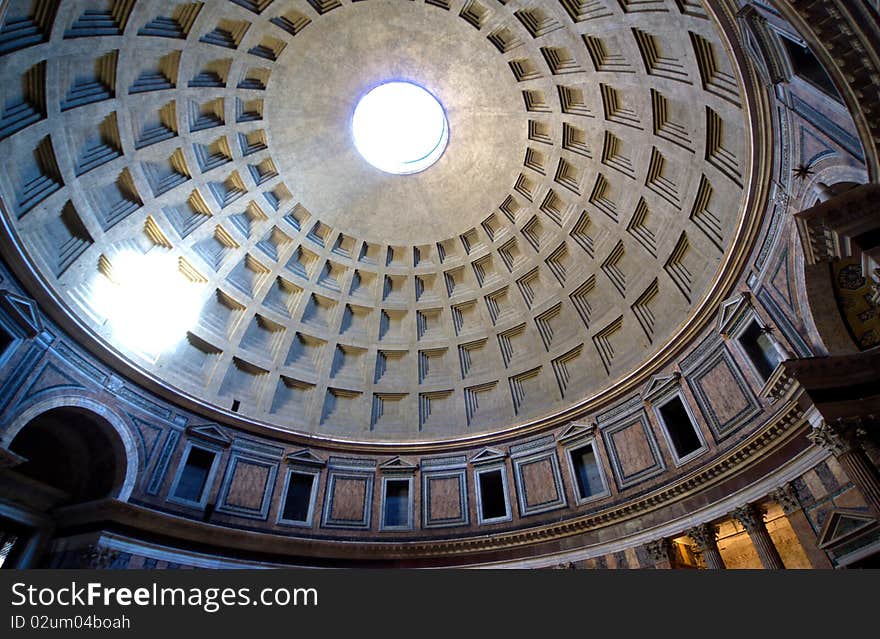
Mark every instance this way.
x=75 y=445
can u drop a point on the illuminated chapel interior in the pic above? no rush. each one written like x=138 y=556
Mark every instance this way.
x=579 y=284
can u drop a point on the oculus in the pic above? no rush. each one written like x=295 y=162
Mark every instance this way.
x=400 y=128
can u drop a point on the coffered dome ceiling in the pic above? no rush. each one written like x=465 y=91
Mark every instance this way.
x=580 y=218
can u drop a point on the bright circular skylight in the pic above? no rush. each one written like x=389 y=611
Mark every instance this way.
x=400 y=128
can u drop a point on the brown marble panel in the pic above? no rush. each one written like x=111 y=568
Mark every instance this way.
x=51 y=377
x=247 y=486
x=633 y=449
x=539 y=482
x=348 y=499
x=723 y=393
x=444 y=495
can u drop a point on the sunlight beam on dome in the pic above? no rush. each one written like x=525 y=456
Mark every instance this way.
x=149 y=304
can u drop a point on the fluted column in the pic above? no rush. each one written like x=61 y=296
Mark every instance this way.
x=752 y=520
x=840 y=438
x=704 y=536
x=659 y=551
x=787 y=498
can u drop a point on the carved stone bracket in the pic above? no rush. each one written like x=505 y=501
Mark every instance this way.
x=780 y=382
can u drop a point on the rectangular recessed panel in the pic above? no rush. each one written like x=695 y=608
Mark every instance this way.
x=348 y=501
x=247 y=486
x=633 y=450
x=444 y=499
x=632 y=447
x=539 y=483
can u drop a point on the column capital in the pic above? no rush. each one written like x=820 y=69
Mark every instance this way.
x=658 y=550
x=704 y=536
x=786 y=496
x=838 y=437
x=750 y=516
x=98 y=557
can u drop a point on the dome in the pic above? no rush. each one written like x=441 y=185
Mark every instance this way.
x=577 y=225
x=597 y=286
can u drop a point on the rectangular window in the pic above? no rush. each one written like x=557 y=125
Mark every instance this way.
x=682 y=432
x=298 y=500
x=805 y=65
x=493 y=500
x=194 y=476
x=396 y=503
x=6 y=340
x=586 y=471
x=760 y=350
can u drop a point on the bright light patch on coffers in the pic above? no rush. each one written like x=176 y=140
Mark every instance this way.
x=149 y=304
x=400 y=128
